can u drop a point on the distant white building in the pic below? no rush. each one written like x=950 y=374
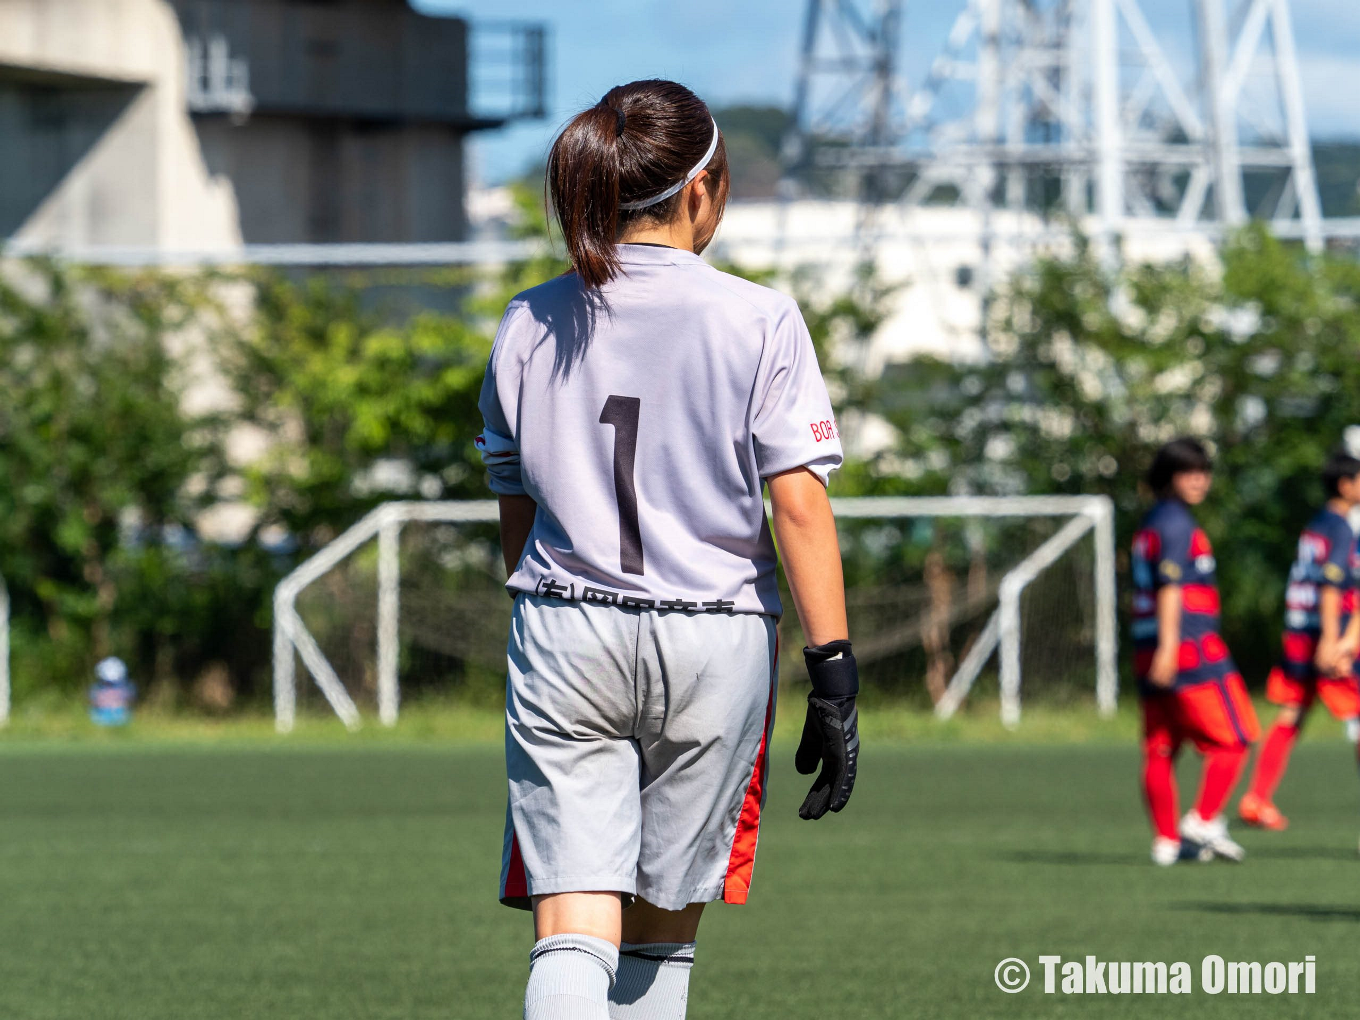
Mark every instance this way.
x=934 y=253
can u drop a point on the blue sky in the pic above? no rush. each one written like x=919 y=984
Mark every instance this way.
x=745 y=50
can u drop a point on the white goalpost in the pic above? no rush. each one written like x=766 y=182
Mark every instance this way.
x=291 y=634
x=1002 y=634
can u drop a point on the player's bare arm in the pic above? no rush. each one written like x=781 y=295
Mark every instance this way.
x=1328 y=655
x=806 y=531
x=1165 y=664
x=810 y=552
x=517 y=520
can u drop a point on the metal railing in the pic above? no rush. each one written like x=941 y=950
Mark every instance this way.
x=508 y=70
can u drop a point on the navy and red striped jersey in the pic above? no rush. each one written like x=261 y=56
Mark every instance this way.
x=1171 y=548
x=1327 y=557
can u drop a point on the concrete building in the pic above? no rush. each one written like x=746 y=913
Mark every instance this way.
x=206 y=124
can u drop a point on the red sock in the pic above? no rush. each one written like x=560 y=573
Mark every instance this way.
x=1159 y=787
x=1221 y=769
x=1274 y=759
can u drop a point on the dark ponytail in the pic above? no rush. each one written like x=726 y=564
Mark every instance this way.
x=636 y=142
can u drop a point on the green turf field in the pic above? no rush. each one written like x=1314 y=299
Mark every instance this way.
x=340 y=882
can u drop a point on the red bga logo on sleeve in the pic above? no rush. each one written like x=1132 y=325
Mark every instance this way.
x=825 y=430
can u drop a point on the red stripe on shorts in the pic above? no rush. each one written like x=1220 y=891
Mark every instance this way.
x=742 y=860
x=516 y=884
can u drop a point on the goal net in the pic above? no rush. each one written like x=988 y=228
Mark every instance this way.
x=950 y=598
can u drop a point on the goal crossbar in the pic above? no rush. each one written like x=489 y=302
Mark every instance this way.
x=292 y=640
x=1002 y=630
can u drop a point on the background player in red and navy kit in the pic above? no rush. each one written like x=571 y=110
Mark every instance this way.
x=1190 y=688
x=1321 y=637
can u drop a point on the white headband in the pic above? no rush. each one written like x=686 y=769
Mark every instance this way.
x=698 y=169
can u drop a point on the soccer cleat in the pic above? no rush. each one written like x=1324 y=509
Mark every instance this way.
x=1211 y=836
x=1165 y=852
x=1261 y=813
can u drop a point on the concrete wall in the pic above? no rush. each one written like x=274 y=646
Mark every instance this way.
x=330 y=181
x=52 y=126
x=360 y=59
x=143 y=179
x=357 y=135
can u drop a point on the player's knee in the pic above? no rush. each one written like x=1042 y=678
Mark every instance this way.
x=1157 y=750
x=1290 y=716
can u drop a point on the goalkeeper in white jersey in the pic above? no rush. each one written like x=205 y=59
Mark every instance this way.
x=636 y=409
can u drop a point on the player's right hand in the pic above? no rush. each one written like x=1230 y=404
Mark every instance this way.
x=1328 y=658
x=831 y=730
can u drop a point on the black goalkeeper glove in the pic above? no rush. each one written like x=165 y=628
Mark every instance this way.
x=831 y=732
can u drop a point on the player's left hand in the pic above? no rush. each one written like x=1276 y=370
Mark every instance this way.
x=1345 y=663
x=831 y=731
x=1327 y=658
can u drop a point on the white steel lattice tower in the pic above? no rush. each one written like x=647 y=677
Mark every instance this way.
x=1074 y=108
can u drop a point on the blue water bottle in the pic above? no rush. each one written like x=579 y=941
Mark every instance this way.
x=111 y=694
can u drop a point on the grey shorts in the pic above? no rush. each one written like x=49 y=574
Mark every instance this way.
x=636 y=746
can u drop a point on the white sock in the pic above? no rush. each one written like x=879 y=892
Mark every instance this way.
x=569 y=978
x=653 y=981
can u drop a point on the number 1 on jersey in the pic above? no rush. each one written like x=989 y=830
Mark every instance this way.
x=623 y=413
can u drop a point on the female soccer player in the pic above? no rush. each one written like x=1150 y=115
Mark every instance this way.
x=1321 y=638
x=635 y=409
x=1189 y=686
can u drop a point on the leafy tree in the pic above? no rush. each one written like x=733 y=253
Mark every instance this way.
x=1090 y=371
x=95 y=448
x=351 y=410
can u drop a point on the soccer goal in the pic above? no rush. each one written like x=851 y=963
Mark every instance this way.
x=939 y=589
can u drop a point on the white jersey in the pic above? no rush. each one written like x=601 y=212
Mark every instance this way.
x=642 y=419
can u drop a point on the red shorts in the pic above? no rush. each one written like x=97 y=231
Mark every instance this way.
x=1341 y=694
x=1214 y=715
